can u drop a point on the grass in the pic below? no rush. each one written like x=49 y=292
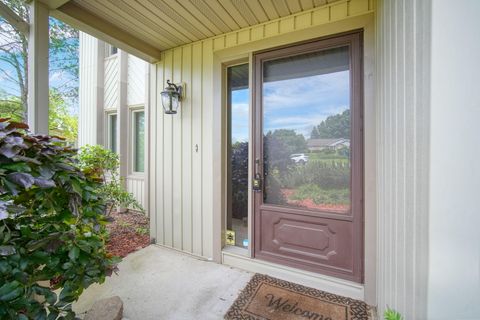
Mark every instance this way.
x=329 y=158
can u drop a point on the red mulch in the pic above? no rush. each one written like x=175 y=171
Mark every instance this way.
x=129 y=232
x=310 y=204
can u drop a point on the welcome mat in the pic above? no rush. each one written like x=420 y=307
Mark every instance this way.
x=269 y=298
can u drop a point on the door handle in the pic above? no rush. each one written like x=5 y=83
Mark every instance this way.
x=257 y=180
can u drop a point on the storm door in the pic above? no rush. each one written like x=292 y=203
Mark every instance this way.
x=308 y=157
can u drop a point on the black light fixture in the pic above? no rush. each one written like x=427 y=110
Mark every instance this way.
x=171 y=96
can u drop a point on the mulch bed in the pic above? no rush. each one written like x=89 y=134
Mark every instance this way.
x=129 y=232
x=310 y=204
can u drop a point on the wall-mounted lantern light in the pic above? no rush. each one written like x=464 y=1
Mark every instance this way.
x=171 y=96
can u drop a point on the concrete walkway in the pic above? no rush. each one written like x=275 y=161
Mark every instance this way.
x=158 y=283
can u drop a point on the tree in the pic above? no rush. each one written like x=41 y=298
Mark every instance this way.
x=60 y=121
x=11 y=107
x=336 y=126
x=292 y=142
x=63 y=49
x=279 y=145
x=239 y=174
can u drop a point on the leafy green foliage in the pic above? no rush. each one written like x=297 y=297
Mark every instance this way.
x=336 y=126
x=11 y=107
x=60 y=121
x=52 y=226
x=106 y=163
x=239 y=178
x=321 y=196
x=319 y=173
x=390 y=314
x=279 y=145
x=63 y=56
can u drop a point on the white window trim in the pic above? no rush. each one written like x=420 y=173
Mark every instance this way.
x=108 y=51
x=108 y=125
x=131 y=133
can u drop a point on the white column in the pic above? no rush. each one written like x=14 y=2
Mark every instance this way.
x=454 y=219
x=38 y=68
x=403 y=106
x=91 y=120
x=123 y=122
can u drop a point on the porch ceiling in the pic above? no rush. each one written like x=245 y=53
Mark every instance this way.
x=147 y=27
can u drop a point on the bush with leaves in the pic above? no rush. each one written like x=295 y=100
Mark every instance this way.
x=391 y=314
x=106 y=163
x=324 y=175
x=52 y=226
x=239 y=173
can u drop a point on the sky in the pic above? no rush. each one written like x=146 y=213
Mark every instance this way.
x=57 y=78
x=298 y=104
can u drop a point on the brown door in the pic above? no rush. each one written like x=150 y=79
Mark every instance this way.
x=308 y=153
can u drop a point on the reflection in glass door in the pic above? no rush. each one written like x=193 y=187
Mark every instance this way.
x=237 y=153
x=306 y=130
x=309 y=149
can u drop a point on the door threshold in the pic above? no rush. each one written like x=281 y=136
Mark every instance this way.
x=238 y=257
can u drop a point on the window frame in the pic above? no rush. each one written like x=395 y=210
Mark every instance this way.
x=132 y=135
x=108 y=142
x=227 y=120
x=109 y=50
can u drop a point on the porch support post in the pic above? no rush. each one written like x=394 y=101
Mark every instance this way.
x=123 y=119
x=38 y=68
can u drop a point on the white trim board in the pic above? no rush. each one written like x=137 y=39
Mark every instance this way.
x=233 y=258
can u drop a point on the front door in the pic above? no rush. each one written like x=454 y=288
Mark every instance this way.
x=308 y=154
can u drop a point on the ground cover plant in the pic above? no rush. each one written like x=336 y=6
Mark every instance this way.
x=52 y=226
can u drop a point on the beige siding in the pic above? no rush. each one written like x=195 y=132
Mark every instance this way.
x=111 y=82
x=99 y=90
x=136 y=186
x=402 y=157
x=181 y=179
x=136 y=81
x=180 y=184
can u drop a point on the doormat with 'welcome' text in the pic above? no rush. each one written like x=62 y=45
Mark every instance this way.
x=268 y=298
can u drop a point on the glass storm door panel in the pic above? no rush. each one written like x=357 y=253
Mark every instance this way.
x=308 y=153
x=237 y=153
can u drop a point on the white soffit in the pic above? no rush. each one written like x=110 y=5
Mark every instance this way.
x=147 y=27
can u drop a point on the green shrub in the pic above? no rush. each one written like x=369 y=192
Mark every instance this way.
x=390 y=314
x=273 y=190
x=52 y=226
x=321 y=174
x=239 y=176
x=106 y=163
x=321 y=196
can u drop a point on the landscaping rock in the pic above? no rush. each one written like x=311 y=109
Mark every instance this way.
x=106 y=309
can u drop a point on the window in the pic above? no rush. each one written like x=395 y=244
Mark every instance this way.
x=110 y=50
x=112 y=132
x=138 y=141
x=237 y=152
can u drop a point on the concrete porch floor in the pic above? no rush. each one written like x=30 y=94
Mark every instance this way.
x=159 y=283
